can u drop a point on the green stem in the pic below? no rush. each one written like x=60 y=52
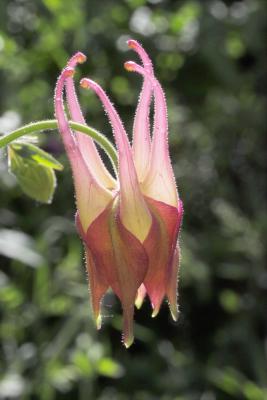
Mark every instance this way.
x=52 y=124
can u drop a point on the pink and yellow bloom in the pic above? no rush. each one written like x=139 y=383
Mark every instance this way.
x=129 y=225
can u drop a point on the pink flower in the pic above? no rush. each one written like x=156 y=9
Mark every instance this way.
x=129 y=225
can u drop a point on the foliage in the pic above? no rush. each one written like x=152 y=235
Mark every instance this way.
x=211 y=59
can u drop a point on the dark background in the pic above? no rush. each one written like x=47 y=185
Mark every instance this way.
x=211 y=58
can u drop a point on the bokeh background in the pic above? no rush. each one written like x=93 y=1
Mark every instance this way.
x=211 y=58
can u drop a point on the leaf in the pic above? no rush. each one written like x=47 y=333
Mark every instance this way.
x=19 y=246
x=35 y=179
x=32 y=152
x=110 y=368
x=83 y=363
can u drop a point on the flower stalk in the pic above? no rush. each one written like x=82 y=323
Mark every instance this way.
x=51 y=124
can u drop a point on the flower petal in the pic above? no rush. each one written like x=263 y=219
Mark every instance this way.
x=97 y=280
x=159 y=183
x=86 y=144
x=141 y=294
x=172 y=284
x=172 y=280
x=121 y=258
x=159 y=246
x=91 y=197
x=141 y=128
x=133 y=210
x=132 y=263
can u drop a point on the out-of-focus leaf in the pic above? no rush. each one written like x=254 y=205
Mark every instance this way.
x=11 y=297
x=108 y=367
x=19 y=246
x=230 y=301
x=254 y=392
x=227 y=379
x=12 y=386
x=59 y=305
x=61 y=376
x=82 y=362
x=185 y=14
x=35 y=179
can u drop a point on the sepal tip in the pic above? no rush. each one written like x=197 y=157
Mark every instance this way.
x=128 y=341
x=138 y=302
x=141 y=294
x=98 y=322
x=155 y=312
x=174 y=314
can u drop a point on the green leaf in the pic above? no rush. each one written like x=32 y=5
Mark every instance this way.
x=110 y=368
x=32 y=152
x=35 y=179
x=83 y=363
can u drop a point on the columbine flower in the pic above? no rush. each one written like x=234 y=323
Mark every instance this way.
x=129 y=226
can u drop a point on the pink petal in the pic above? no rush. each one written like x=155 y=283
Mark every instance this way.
x=172 y=284
x=133 y=210
x=141 y=294
x=159 y=183
x=91 y=197
x=172 y=279
x=160 y=245
x=97 y=278
x=86 y=144
x=141 y=128
x=122 y=260
x=132 y=262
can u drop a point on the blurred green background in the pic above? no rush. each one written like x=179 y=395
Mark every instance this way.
x=211 y=58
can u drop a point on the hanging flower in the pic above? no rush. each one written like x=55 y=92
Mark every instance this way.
x=129 y=225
